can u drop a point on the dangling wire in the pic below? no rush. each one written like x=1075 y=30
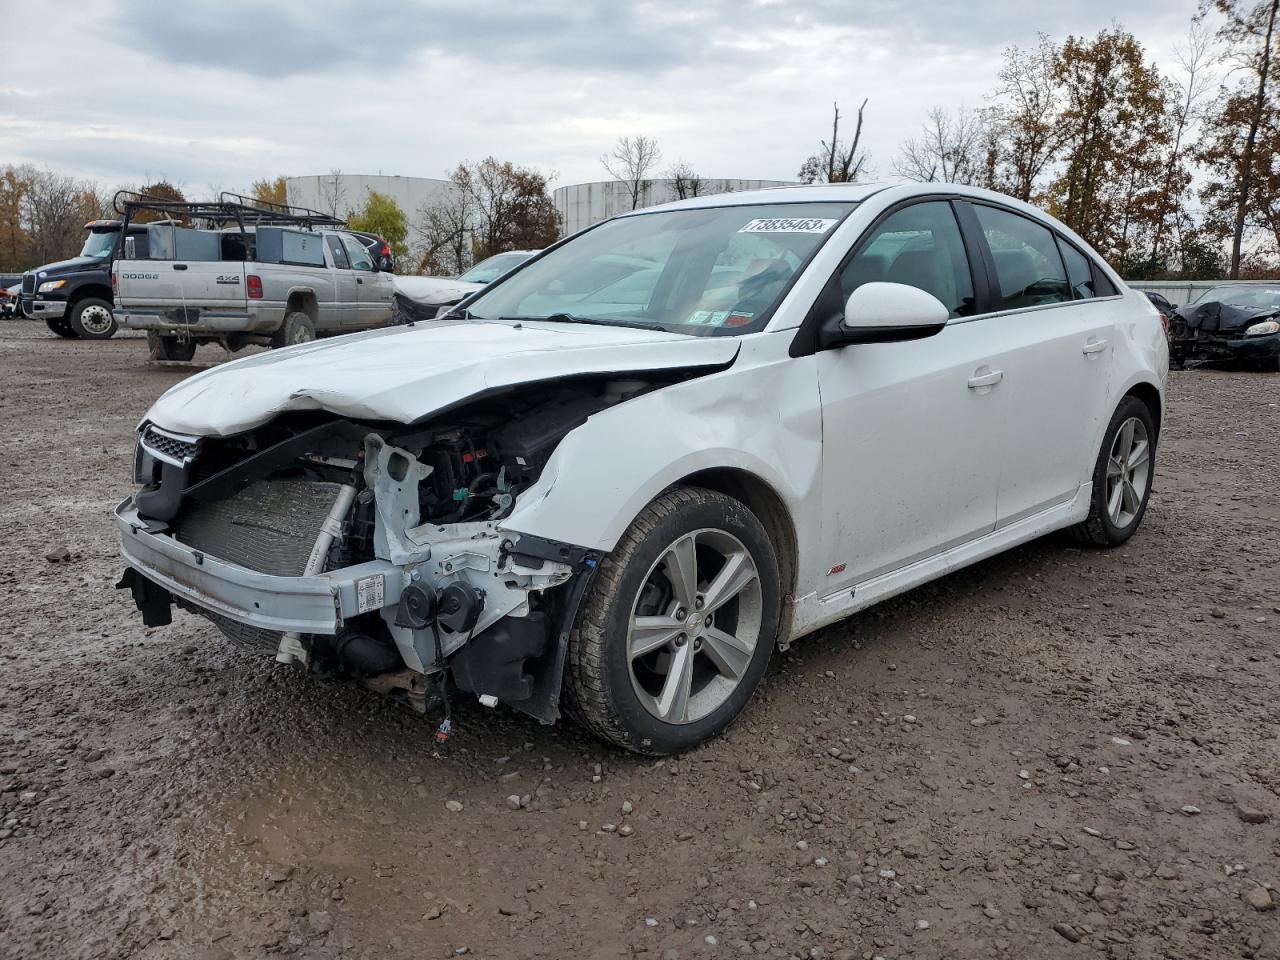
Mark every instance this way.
x=446 y=727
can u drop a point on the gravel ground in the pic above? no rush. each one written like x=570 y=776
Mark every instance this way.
x=1057 y=753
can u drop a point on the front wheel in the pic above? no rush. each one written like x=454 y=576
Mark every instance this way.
x=1122 y=477
x=61 y=328
x=677 y=626
x=92 y=319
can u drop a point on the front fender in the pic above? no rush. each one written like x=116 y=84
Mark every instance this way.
x=762 y=415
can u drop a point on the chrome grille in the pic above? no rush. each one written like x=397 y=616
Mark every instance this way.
x=28 y=283
x=171 y=447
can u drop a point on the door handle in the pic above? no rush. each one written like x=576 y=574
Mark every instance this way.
x=179 y=266
x=1093 y=346
x=359 y=279
x=985 y=379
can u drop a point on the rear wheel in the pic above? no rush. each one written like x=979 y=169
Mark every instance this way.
x=678 y=625
x=61 y=328
x=169 y=348
x=297 y=328
x=1122 y=477
x=92 y=319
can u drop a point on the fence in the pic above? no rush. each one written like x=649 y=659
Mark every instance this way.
x=1187 y=291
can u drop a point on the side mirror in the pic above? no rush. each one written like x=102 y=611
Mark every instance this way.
x=889 y=312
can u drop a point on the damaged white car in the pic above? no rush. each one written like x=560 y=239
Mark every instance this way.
x=786 y=406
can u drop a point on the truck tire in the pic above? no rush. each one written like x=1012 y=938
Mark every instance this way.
x=92 y=319
x=61 y=328
x=297 y=328
x=169 y=348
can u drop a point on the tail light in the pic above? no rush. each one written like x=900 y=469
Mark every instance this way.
x=253 y=284
x=386 y=250
x=115 y=284
x=1164 y=322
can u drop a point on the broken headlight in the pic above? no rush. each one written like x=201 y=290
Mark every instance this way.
x=1262 y=329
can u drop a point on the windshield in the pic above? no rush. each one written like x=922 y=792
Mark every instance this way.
x=709 y=271
x=1244 y=295
x=99 y=243
x=486 y=271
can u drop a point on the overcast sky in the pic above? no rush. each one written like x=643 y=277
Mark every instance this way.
x=216 y=94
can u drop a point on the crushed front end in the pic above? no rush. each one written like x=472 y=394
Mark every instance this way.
x=371 y=551
x=1214 y=330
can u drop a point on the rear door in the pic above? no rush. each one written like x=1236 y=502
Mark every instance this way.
x=344 y=281
x=1058 y=338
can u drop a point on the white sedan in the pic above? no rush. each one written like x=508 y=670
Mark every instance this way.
x=634 y=467
x=423 y=297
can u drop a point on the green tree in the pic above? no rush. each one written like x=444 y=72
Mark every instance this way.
x=383 y=216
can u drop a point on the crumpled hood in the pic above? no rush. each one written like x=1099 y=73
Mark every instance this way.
x=403 y=374
x=434 y=290
x=1215 y=316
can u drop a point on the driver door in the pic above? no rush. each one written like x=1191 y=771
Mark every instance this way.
x=910 y=430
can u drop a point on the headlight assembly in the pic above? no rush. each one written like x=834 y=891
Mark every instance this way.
x=1262 y=329
x=51 y=285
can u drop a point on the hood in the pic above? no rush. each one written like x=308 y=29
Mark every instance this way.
x=1216 y=316
x=434 y=290
x=403 y=374
x=74 y=265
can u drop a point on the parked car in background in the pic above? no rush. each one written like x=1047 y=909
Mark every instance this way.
x=9 y=297
x=421 y=298
x=73 y=297
x=250 y=273
x=379 y=250
x=1234 y=321
x=796 y=403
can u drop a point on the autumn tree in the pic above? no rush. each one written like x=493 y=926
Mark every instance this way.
x=383 y=216
x=1023 y=117
x=835 y=161
x=630 y=162
x=269 y=191
x=1112 y=134
x=15 y=242
x=160 y=190
x=950 y=149
x=1233 y=145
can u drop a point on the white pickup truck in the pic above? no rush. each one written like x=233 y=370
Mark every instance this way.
x=238 y=272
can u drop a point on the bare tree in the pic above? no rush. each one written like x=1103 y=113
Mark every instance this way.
x=686 y=182
x=55 y=210
x=949 y=149
x=443 y=244
x=1025 y=114
x=333 y=195
x=630 y=162
x=836 y=163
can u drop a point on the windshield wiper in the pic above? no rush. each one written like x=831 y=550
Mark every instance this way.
x=596 y=321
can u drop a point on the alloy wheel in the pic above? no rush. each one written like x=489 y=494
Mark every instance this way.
x=1128 y=471
x=694 y=626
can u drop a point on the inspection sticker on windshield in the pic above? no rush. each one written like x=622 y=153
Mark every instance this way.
x=788 y=225
x=370 y=593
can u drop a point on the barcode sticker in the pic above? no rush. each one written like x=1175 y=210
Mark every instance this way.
x=370 y=593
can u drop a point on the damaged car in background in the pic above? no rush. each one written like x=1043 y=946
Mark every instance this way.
x=1234 y=322
x=630 y=469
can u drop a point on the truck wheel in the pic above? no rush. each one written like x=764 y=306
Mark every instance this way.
x=60 y=327
x=677 y=626
x=297 y=328
x=92 y=319
x=169 y=348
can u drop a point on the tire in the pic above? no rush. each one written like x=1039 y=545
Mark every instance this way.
x=297 y=328
x=169 y=348
x=61 y=328
x=92 y=319
x=618 y=693
x=1105 y=526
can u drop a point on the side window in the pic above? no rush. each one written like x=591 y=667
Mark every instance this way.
x=1029 y=267
x=337 y=251
x=1079 y=273
x=359 y=256
x=921 y=247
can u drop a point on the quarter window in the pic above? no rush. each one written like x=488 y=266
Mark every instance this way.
x=919 y=246
x=337 y=251
x=1079 y=273
x=1029 y=267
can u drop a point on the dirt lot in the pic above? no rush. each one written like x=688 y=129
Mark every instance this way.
x=1057 y=753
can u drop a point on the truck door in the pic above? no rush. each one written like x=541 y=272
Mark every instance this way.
x=373 y=288
x=344 y=281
